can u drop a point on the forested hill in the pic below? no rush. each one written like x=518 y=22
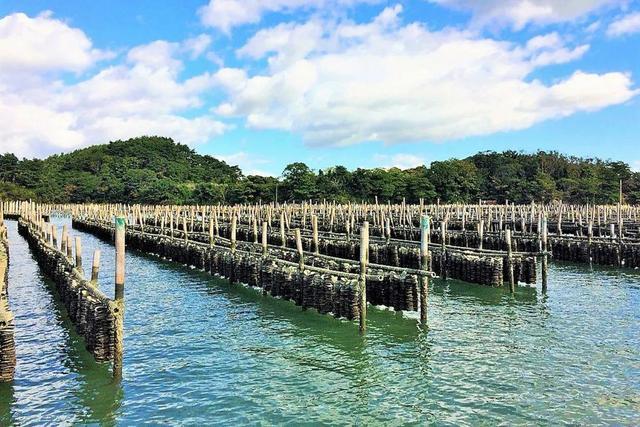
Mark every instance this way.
x=157 y=170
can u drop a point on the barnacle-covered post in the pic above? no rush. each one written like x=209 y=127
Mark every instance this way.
x=118 y=303
x=545 y=235
x=362 y=279
x=424 y=266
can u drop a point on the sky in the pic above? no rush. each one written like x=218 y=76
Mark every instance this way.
x=361 y=83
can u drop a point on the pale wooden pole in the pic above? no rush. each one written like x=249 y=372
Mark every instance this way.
x=362 y=279
x=424 y=266
x=118 y=304
x=95 y=266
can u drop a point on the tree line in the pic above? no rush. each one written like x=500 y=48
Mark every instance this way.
x=156 y=170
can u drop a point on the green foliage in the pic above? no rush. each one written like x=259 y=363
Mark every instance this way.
x=156 y=170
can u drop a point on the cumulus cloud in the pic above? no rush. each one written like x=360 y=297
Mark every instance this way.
x=226 y=14
x=143 y=95
x=385 y=81
x=43 y=44
x=628 y=24
x=399 y=160
x=519 y=13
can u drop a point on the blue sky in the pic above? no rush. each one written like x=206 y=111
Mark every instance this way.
x=362 y=83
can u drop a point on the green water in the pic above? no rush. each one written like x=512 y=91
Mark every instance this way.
x=202 y=351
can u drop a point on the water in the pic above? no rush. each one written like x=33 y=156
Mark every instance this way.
x=199 y=350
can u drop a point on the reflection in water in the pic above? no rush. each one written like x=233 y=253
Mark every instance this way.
x=200 y=350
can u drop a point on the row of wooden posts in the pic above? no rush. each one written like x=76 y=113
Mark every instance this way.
x=47 y=232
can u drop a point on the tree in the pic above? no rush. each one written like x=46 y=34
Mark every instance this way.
x=299 y=182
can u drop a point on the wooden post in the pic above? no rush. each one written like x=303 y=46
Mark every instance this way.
x=424 y=263
x=234 y=220
x=212 y=239
x=69 y=248
x=299 y=247
x=590 y=240
x=282 y=235
x=184 y=228
x=362 y=279
x=95 y=266
x=314 y=226
x=118 y=303
x=443 y=249
x=54 y=235
x=512 y=285
x=63 y=240
x=545 y=235
x=480 y=233
x=264 y=238
x=78 y=245
x=388 y=230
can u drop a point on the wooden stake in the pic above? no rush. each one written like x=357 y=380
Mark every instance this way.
x=424 y=263
x=95 y=266
x=362 y=280
x=118 y=306
x=512 y=286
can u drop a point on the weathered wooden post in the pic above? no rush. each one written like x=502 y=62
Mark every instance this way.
x=282 y=235
x=212 y=239
x=314 y=226
x=443 y=249
x=264 y=238
x=480 y=233
x=388 y=230
x=63 y=240
x=590 y=240
x=234 y=220
x=95 y=266
x=118 y=303
x=424 y=263
x=299 y=248
x=184 y=228
x=69 y=248
x=512 y=285
x=362 y=279
x=78 y=245
x=545 y=247
x=54 y=235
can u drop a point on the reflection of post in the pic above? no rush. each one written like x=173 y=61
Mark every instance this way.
x=424 y=263
x=362 y=280
x=118 y=303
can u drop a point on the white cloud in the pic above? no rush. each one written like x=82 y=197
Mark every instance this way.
x=635 y=166
x=519 y=13
x=400 y=160
x=628 y=24
x=249 y=163
x=141 y=96
x=226 y=14
x=43 y=43
x=388 y=82
x=196 y=46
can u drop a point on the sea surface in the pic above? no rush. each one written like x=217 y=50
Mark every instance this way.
x=201 y=351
